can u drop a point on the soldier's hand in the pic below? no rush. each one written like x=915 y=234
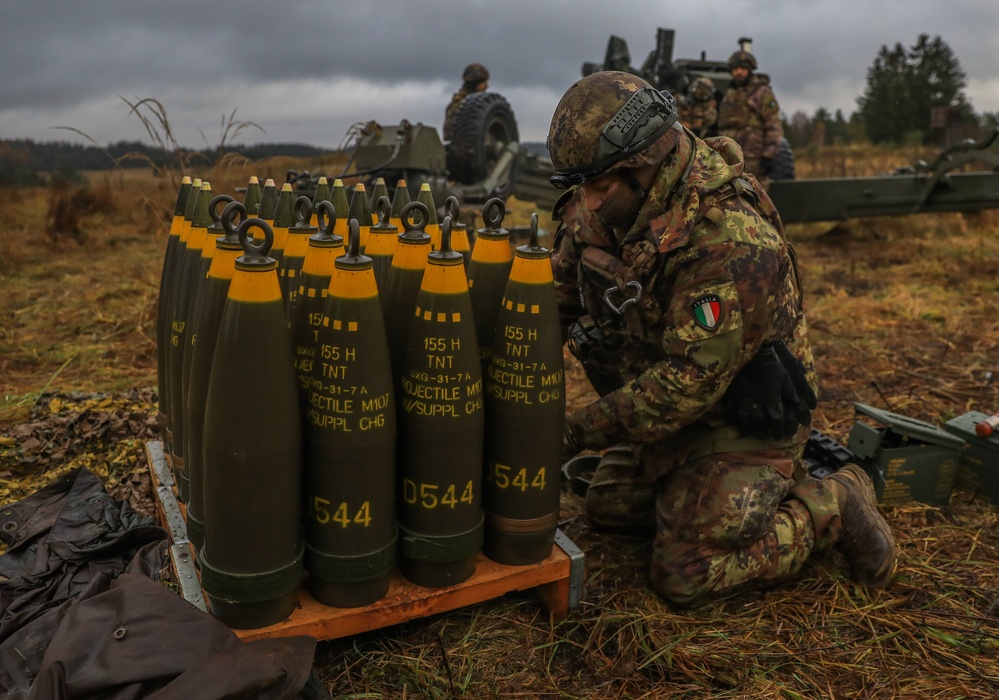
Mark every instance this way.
x=753 y=399
x=770 y=396
x=797 y=396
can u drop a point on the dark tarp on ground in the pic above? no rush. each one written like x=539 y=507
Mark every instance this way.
x=82 y=617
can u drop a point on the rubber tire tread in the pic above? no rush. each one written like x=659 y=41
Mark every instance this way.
x=466 y=156
x=783 y=164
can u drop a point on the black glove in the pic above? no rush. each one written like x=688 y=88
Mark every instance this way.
x=766 y=166
x=770 y=397
x=796 y=394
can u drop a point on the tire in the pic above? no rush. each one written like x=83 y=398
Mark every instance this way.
x=783 y=165
x=483 y=127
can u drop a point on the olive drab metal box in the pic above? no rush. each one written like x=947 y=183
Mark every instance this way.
x=978 y=463
x=907 y=459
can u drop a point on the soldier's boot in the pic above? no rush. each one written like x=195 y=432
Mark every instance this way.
x=867 y=542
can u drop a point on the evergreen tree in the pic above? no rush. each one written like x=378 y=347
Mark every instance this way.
x=838 y=130
x=989 y=120
x=903 y=87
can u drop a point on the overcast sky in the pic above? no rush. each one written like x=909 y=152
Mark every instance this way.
x=306 y=71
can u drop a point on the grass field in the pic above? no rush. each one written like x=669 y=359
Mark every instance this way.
x=902 y=314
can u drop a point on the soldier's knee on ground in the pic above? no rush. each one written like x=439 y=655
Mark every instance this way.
x=732 y=506
x=679 y=575
x=620 y=498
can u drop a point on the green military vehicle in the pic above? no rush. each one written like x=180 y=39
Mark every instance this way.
x=661 y=69
x=481 y=161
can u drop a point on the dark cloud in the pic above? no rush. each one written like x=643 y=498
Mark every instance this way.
x=307 y=70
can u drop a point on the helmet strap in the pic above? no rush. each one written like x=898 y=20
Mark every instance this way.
x=632 y=182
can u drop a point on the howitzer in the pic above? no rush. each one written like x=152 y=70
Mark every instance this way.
x=922 y=188
x=481 y=161
x=933 y=187
x=661 y=69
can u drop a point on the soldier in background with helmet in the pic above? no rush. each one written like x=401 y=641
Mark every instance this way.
x=475 y=79
x=698 y=108
x=750 y=115
x=679 y=294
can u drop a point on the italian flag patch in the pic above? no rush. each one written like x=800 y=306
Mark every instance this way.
x=707 y=311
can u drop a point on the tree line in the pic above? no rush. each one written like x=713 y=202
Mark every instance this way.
x=912 y=95
x=23 y=162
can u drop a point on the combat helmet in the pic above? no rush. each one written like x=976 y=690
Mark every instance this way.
x=603 y=121
x=475 y=73
x=743 y=58
x=702 y=89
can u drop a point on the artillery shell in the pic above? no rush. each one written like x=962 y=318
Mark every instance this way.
x=405 y=276
x=525 y=414
x=488 y=274
x=350 y=429
x=284 y=217
x=163 y=310
x=295 y=250
x=310 y=300
x=441 y=429
x=213 y=296
x=251 y=561
x=180 y=329
x=180 y=257
x=382 y=239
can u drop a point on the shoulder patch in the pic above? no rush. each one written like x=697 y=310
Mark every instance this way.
x=707 y=310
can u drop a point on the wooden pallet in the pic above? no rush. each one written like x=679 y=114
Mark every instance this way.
x=556 y=581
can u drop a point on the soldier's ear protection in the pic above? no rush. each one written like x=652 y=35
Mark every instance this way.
x=643 y=118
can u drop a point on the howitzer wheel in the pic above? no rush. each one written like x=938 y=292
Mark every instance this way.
x=783 y=165
x=483 y=127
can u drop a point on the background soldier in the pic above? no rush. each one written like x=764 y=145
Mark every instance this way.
x=698 y=108
x=750 y=115
x=677 y=288
x=476 y=79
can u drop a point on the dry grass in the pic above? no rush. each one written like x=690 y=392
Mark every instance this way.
x=901 y=311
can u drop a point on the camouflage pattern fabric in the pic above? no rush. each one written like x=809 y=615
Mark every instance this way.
x=730 y=513
x=452 y=110
x=750 y=115
x=700 y=116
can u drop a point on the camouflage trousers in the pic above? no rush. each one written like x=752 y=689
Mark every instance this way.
x=723 y=522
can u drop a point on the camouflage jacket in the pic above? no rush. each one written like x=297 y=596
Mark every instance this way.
x=750 y=115
x=700 y=116
x=452 y=111
x=717 y=279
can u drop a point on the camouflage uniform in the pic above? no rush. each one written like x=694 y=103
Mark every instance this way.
x=474 y=75
x=699 y=109
x=700 y=116
x=750 y=115
x=717 y=280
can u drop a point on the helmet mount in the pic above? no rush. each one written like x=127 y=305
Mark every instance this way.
x=641 y=115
